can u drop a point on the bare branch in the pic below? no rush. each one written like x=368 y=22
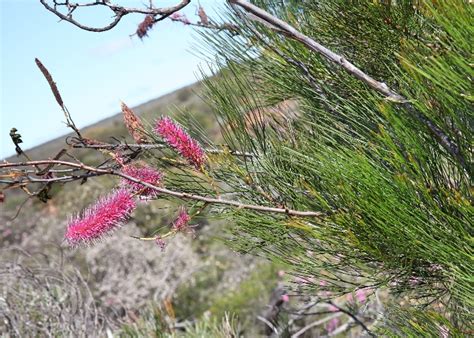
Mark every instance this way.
x=177 y=194
x=119 y=12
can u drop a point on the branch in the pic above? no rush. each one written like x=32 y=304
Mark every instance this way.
x=119 y=12
x=283 y=27
x=178 y=194
x=110 y=146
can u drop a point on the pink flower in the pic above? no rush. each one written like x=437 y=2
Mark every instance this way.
x=361 y=296
x=178 y=139
x=332 y=325
x=180 y=17
x=285 y=298
x=100 y=219
x=182 y=221
x=281 y=273
x=144 y=173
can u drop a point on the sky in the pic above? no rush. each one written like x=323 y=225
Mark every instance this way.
x=93 y=71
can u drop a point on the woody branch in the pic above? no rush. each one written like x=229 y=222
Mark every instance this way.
x=119 y=11
x=165 y=191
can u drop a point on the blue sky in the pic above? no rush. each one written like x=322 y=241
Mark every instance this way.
x=94 y=71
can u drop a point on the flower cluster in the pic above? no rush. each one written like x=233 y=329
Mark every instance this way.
x=182 y=221
x=178 y=139
x=145 y=174
x=101 y=218
x=111 y=211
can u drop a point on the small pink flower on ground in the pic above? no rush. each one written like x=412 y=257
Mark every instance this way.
x=100 y=219
x=361 y=296
x=179 y=140
x=333 y=308
x=182 y=221
x=160 y=242
x=323 y=283
x=332 y=325
x=285 y=298
x=143 y=173
x=281 y=273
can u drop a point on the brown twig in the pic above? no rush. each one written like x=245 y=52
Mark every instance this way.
x=283 y=27
x=169 y=192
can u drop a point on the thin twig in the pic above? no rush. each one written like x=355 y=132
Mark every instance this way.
x=316 y=323
x=353 y=316
x=268 y=323
x=110 y=146
x=119 y=12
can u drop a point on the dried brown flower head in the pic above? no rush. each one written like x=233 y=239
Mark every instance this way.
x=203 y=16
x=133 y=124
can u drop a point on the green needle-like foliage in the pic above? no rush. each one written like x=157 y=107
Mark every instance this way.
x=396 y=205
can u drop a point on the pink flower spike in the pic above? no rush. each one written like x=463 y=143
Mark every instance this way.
x=100 y=219
x=181 y=223
x=179 y=140
x=144 y=173
x=361 y=296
